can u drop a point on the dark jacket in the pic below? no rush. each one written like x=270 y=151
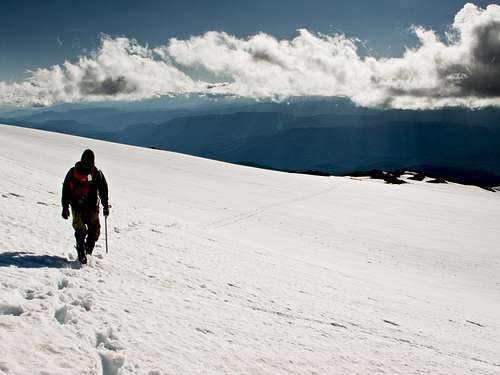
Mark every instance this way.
x=98 y=188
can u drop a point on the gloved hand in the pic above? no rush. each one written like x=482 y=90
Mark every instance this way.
x=105 y=210
x=65 y=213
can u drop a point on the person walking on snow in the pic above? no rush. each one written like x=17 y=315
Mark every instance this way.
x=83 y=186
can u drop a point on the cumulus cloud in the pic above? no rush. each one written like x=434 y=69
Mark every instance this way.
x=461 y=68
x=120 y=70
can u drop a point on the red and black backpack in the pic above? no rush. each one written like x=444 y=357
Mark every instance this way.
x=79 y=186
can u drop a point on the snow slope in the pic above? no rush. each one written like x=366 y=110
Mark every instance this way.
x=216 y=268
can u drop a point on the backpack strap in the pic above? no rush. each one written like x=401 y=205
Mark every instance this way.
x=84 y=177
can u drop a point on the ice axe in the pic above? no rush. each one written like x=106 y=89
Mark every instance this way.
x=106 y=228
x=106 y=231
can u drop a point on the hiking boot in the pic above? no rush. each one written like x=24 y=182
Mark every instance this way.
x=89 y=247
x=80 y=248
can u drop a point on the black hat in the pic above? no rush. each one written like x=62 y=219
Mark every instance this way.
x=88 y=156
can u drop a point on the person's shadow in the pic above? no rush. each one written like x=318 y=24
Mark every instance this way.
x=23 y=259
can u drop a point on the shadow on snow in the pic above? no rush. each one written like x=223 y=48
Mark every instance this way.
x=22 y=259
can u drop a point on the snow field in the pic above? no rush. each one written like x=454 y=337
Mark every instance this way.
x=216 y=268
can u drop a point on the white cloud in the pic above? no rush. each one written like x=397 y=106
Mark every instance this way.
x=462 y=69
x=120 y=69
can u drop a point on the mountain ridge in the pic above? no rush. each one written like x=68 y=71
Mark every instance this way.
x=351 y=139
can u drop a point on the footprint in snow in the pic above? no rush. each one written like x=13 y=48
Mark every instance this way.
x=111 y=362
x=204 y=331
x=108 y=347
x=63 y=315
x=10 y=195
x=63 y=283
x=108 y=339
x=134 y=224
x=390 y=322
x=31 y=294
x=85 y=302
x=474 y=323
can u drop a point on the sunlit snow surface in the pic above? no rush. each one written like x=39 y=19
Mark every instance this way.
x=215 y=268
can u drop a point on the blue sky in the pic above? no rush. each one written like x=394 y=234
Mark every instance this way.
x=36 y=33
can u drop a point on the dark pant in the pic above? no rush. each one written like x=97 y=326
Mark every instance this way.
x=87 y=227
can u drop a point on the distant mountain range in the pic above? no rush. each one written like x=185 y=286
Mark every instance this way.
x=332 y=137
